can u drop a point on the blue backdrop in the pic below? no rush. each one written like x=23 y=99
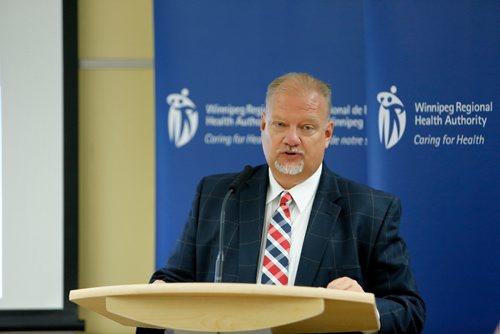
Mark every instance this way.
x=415 y=104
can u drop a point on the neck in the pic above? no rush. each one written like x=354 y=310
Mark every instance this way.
x=288 y=181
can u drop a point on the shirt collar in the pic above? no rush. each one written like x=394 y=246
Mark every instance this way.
x=302 y=193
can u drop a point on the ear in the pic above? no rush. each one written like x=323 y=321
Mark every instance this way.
x=328 y=133
x=263 y=122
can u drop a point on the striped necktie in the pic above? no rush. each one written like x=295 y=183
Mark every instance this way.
x=275 y=264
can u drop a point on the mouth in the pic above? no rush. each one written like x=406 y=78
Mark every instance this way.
x=292 y=154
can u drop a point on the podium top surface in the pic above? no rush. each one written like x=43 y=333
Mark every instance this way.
x=234 y=289
x=230 y=307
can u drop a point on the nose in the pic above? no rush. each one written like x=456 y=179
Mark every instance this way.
x=291 y=137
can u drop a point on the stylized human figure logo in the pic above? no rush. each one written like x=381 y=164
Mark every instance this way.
x=182 y=118
x=391 y=118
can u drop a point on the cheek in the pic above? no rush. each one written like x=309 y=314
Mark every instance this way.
x=316 y=149
x=268 y=139
x=266 y=142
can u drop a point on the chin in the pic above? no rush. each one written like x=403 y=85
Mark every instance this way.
x=289 y=168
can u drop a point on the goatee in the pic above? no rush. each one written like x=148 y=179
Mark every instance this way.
x=289 y=169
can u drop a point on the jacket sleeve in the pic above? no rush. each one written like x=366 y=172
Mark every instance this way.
x=400 y=306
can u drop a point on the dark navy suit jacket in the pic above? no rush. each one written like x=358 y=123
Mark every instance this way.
x=353 y=231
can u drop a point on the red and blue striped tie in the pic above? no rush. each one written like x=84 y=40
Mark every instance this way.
x=275 y=265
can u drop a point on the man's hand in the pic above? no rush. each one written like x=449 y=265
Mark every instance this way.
x=345 y=283
x=159 y=281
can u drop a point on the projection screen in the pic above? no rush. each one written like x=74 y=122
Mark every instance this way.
x=38 y=162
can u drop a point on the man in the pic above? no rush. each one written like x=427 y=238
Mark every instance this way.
x=333 y=232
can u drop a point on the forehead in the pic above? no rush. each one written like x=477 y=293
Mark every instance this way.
x=308 y=104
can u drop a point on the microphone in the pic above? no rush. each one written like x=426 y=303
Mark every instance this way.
x=233 y=188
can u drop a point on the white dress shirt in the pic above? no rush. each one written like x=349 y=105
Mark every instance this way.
x=300 y=209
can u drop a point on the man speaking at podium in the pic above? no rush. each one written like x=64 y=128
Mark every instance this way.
x=295 y=222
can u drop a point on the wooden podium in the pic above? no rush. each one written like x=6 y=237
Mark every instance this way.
x=232 y=307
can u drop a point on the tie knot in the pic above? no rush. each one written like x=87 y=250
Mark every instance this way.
x=285 y=199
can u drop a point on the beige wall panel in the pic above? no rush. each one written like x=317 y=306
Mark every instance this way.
x=115 y=29
x=117 y=195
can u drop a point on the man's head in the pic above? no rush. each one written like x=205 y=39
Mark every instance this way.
x=296 y=127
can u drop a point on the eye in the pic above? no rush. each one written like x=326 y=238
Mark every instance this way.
x=308 y=127
x=278 y=124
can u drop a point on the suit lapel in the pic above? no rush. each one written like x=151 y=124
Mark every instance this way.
x=324 y=216
x=251 y=219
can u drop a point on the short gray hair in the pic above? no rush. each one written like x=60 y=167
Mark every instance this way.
x=299 y=83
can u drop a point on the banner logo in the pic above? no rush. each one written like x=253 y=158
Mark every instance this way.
x=182 y=118
x=391 y=118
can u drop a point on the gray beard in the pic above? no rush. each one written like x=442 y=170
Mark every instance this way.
x=289 y=169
